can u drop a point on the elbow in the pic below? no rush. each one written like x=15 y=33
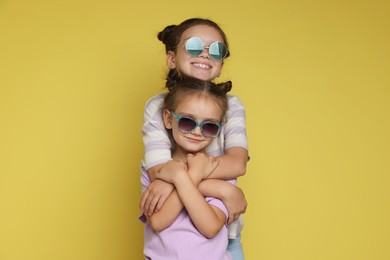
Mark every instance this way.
x=241 y=168
x=211 y=232
x=156 y=225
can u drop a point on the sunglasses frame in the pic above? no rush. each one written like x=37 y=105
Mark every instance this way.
x=200 y=124
x=205 y=47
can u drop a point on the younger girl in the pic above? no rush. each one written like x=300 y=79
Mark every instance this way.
x=193 y=114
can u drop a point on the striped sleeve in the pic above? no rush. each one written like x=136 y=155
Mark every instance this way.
x=157 y=145
x=235 y=125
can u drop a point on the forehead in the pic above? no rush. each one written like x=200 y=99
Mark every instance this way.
x=200 y=106
x=206 y=32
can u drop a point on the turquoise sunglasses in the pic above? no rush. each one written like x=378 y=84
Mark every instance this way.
x=195 y=46
x=187 y=125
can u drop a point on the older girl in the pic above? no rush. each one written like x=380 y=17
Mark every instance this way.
x=197 y=48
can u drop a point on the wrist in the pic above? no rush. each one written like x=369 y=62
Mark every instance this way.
x=224 y=190
x=152 y=172
x=196 y=178
x=180 y=178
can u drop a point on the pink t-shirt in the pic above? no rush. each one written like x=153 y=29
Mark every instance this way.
x=182 y=240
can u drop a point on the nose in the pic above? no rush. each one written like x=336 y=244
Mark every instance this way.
x=197 y=131
x=205 y=53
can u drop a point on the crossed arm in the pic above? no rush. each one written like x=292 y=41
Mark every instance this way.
x=160 y=192
x=207 y=218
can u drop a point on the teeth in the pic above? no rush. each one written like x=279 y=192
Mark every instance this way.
x=202 y=66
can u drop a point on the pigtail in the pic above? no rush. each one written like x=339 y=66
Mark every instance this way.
x=172 y=79
x=225 y=87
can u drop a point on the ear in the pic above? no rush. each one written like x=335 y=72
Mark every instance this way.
x=167 y=119
x=171 y=60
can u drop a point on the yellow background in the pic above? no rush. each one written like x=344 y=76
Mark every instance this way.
x=314 y=76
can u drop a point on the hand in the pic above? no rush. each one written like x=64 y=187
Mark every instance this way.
x=170 y=170
x=235 y=202
x=201 y=164
x=154 y=197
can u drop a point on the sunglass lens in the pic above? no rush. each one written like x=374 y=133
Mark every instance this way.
x=217 y=51
x=210 y=129
x=186 y=124
x=194 y=46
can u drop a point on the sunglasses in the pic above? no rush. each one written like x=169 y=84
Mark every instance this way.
x=195 y=46
x=187 y=125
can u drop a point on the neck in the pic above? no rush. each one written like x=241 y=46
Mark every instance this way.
x=180 y=154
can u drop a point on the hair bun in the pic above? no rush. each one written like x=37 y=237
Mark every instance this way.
x=225 y=86
x=166 y=33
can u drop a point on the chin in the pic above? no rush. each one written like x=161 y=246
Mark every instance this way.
x=202 y=76
x=193 y=150
x=189 y=149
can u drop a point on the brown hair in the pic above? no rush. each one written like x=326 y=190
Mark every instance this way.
x=187 y=86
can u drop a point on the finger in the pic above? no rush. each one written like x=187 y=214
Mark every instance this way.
x=147 y=203
x=230 y=219
x=159 y=204
x=152 y=205
x=143 y=200
x=233 y=218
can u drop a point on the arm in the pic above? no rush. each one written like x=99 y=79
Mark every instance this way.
x=157 y=151
x=232 y=164
x=199 y=166
x=234 y=161
x=157 y=192
x=231 y=195
x=167 y=214
x=163 y=218
x=234 y=142
x=157 y=145
x=207 y=218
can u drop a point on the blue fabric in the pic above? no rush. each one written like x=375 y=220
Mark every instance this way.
x=235 y=248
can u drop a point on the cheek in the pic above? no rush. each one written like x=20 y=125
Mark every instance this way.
x=176 y=134
x=208 y=142
x=218 y=69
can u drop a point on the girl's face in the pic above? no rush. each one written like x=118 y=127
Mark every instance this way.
x=200 y=67
x=199 y=107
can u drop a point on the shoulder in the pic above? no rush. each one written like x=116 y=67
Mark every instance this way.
x=234 y=103
x=234 y=99
x=154 y=105
x=155 y=100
